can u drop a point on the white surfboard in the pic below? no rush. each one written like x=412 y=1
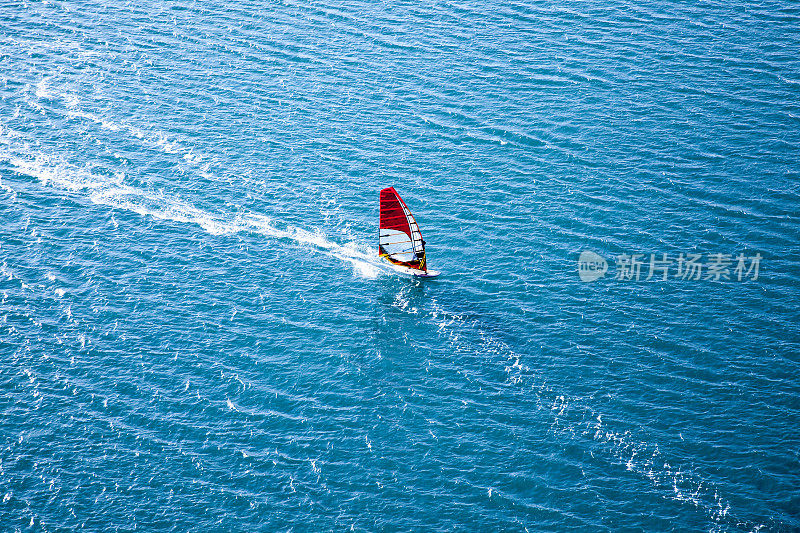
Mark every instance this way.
x=414 y=272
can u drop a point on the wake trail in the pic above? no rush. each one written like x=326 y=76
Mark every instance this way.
x=107 y=186
x=113 y=192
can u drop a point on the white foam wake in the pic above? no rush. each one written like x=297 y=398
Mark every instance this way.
x=112 y=191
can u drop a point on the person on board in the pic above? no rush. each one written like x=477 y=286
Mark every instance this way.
x=420 y=255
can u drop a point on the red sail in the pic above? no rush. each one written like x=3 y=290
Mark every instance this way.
x=400 y=240
x=392 y=215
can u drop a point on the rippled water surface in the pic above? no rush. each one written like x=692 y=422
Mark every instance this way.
x=196 y=333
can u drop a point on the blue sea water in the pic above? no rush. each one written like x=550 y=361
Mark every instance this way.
x=196 y=333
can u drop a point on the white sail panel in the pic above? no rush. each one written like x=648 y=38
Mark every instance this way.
x=416 y=235
x=397 y=244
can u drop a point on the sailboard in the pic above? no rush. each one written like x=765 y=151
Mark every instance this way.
x=400 y=241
